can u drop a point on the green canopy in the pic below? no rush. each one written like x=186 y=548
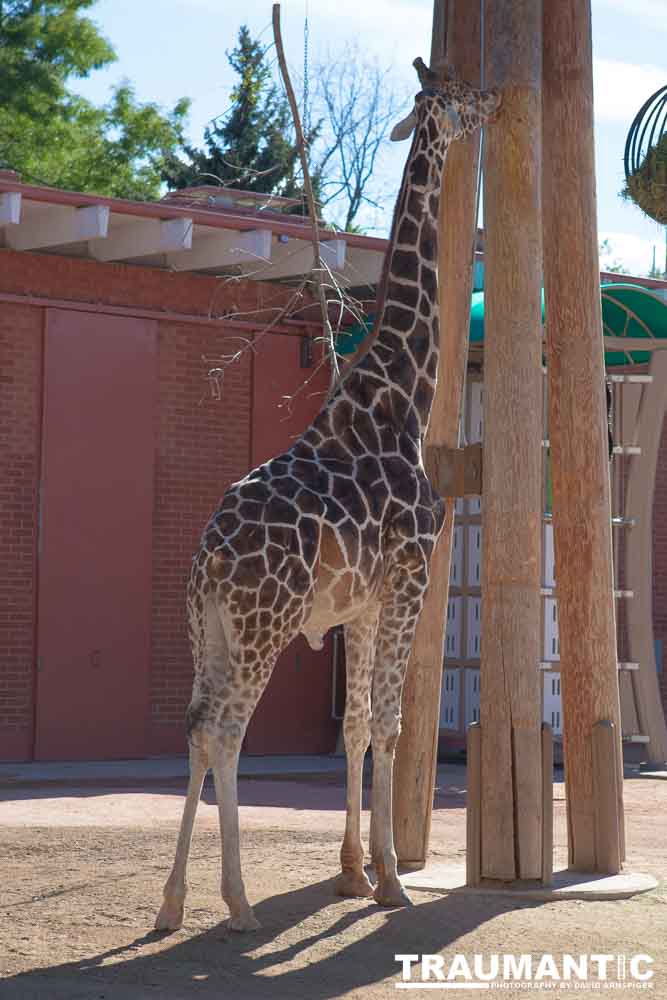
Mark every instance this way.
x=628 y=310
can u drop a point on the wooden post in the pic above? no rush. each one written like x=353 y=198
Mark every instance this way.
x=639 y=560
x=416 y=758
x=510 y=712
x=547 y=804
x=577 y=418
x=607 y=831
x=473 y=805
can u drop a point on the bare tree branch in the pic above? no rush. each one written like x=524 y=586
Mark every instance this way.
x=307 y=184
x=358 y=106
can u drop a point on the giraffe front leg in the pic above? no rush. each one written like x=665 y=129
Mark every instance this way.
x=359 y=651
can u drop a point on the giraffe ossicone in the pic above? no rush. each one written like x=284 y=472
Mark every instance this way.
x=338 y=530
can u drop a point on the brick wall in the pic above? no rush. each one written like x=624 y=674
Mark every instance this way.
x=202 y=445
x=128 y=285
x=20 y=401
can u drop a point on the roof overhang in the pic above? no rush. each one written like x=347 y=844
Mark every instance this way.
x=264 y=245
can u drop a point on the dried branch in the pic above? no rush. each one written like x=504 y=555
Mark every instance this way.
x=307 y=184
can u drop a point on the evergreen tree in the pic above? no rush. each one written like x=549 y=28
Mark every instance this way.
x=253 y=147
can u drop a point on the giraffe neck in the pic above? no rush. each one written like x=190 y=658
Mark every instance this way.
x=405 y=343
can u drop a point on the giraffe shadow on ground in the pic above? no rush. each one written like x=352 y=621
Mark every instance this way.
x=320 y=951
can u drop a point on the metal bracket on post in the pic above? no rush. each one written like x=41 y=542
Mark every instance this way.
x=454 y=472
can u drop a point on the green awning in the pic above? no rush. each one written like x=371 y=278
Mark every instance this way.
x=628 y=310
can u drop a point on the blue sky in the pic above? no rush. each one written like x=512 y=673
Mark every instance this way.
x=174 y=48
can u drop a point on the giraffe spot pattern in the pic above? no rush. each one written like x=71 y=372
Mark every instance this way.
x=341 y=526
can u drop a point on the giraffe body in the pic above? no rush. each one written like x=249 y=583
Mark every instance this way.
x=337 y=530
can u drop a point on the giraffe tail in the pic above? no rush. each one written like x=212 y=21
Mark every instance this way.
x=210 y=654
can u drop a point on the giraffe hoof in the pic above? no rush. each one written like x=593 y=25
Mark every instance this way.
x=244 y=922
x=354 y=884
x=392 y=895
x=170 y=917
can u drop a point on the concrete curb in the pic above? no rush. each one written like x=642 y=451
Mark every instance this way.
x=161 y=771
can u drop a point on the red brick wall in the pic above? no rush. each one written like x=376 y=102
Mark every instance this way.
x=127 y=285
x=202 y=445
x=20 y=401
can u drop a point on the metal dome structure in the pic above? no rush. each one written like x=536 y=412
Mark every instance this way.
x=646 y=157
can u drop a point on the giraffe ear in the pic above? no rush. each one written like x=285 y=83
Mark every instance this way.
x=404 y=128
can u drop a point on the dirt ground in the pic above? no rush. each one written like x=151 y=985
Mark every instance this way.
x=81 y=872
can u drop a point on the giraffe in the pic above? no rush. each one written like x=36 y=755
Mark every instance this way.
x=337 y=530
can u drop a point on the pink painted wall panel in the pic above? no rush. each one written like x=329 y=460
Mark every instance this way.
x=95 y=550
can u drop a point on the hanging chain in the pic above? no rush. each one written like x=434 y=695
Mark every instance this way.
x=306 y=90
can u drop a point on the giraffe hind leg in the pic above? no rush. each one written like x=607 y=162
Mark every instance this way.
x=209 y=649
x=398 y=621
x=170 y=915
x=359 y=652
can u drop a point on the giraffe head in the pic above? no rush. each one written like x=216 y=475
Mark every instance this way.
x=445 y=108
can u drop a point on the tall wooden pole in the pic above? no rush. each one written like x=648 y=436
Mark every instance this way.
x=577 y=421
x=416 y=759
x=510 y=715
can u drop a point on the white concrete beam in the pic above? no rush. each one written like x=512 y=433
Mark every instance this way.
x=144 y=238
x=60 y=226
x=296 y=257
x=363 y=267
x=227 y=248
x=10 y=208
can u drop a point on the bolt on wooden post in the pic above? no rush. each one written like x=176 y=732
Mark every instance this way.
x=577 y=433
x=510 y=710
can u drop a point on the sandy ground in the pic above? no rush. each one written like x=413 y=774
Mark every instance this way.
x=81 y=872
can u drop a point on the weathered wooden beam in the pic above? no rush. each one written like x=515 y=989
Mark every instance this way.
x=473 y=805
x=510 y=709
x=607 y=831
x=547 y=804
x=577 y=419
x=416 y=758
